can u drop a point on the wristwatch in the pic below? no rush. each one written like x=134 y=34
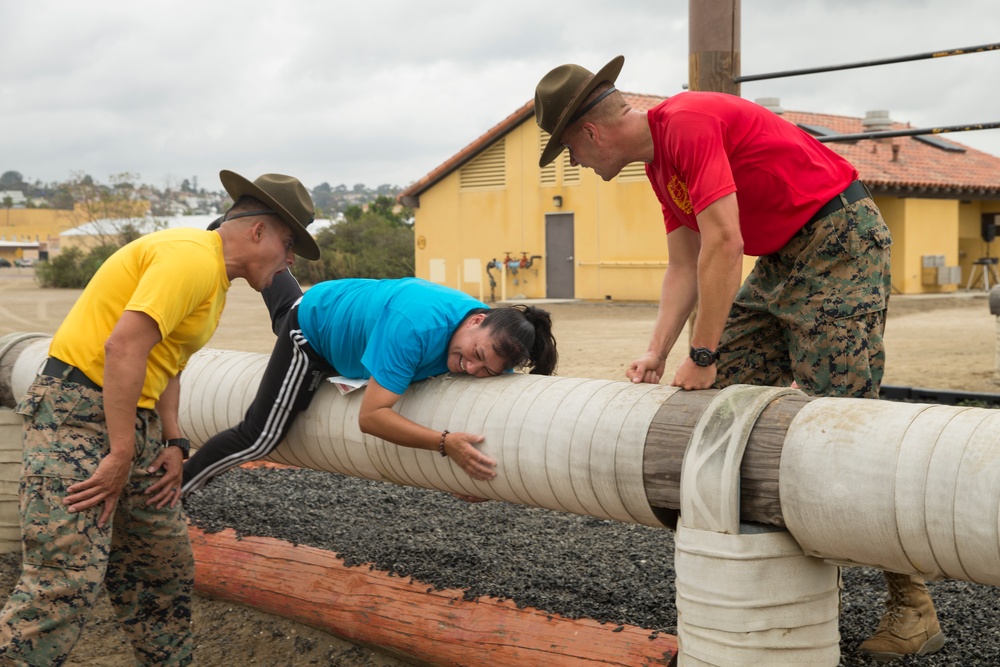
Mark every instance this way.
x=182 y=443
x=703 y=356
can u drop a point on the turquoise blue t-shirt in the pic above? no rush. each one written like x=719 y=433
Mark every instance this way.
x=396 y=331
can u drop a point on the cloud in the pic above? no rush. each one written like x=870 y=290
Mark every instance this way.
x=383 y=91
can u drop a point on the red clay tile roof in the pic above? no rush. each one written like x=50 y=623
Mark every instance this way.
x=914 y=169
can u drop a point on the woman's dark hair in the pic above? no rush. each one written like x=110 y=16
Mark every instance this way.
x=522 y=335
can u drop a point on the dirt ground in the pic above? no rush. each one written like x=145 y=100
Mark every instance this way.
x=944 y=342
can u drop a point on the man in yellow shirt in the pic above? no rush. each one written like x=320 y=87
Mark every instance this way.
x=103 y=450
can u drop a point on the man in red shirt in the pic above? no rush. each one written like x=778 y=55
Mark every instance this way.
x=734 y=178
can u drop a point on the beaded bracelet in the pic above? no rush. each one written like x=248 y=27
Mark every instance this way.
x=444 y=434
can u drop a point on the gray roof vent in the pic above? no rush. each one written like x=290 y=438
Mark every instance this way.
x=876 y=121
x=771 y=103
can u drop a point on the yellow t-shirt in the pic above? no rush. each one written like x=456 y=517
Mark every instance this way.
x=177 y=277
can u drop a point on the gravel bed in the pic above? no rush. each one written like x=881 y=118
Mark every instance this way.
x=561 y=563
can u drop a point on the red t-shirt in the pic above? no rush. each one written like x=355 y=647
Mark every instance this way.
x=707 y=145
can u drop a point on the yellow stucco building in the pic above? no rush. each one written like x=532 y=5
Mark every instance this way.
x=586 y=239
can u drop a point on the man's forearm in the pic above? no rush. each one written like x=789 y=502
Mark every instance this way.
x=125 y=355
x=168 y=407
x=719 y=274
x=678 y=295
x=720 y=267
x=124 y=377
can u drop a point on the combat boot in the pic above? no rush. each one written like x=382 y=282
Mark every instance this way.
x=909 y=625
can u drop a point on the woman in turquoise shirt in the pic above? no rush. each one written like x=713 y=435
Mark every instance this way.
x=391 y=333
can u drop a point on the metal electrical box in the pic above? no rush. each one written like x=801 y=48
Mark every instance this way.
x=936 y=273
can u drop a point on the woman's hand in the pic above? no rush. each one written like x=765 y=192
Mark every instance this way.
x=461 y=448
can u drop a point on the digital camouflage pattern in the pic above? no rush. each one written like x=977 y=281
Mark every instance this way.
x=814 y=312
x=144 y=558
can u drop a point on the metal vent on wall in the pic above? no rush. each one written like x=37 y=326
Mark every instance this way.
x=487 y=171
x=571 y=174
x=633 y=171
x=547 y=176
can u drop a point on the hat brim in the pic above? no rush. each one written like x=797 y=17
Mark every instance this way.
x=237 y=186
x=608 y=73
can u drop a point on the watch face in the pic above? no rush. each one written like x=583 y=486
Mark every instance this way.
x=702 y=356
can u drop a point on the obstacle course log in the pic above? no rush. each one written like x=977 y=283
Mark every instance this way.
x=367 y=606
x=905 y=487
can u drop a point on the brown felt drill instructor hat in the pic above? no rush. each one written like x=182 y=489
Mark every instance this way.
x=559 y=95
x=284 y=195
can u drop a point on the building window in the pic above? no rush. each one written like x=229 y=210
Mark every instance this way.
x=487 y=171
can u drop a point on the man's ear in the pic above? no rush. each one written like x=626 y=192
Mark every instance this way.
x=257 y=231
x=476 y=320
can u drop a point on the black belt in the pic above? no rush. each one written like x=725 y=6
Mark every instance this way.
x=855 y=191
x=60 y=369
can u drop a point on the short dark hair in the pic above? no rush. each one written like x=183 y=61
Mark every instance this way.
x=248 y=203
x=522 y=336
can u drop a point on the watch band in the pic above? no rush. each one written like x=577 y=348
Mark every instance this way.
x=181 y=443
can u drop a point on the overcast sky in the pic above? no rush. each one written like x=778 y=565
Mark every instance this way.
x=382 y=91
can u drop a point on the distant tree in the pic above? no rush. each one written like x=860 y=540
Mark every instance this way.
x=371 y=242
x=322 y=196
x=185 y=185
x=62 y=197
x=12 y=180
x=115 y=213
x=8 y=203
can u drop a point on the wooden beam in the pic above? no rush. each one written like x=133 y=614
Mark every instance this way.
x=667 y=440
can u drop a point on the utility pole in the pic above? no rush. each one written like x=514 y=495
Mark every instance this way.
x=714 y=45
x=713 y=56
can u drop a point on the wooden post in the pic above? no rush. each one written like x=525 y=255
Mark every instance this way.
x=714 y=45
x=667 y=440
x=713 y=57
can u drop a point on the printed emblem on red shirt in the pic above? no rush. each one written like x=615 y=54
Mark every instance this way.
x=678 y=190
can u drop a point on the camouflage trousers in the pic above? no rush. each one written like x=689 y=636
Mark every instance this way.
x=814 y=312
x=143 y=558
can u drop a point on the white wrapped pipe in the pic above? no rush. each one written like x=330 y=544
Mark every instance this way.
x=746 y=594
x=905 y=487
x=27 y=364
x=567 y=444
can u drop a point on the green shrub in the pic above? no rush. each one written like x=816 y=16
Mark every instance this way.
x=372 y=243
x=72 y=268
